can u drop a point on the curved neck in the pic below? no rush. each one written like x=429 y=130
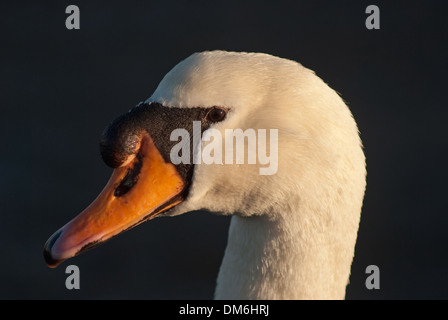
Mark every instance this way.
x=277 y=259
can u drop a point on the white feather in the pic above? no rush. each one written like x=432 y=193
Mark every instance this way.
x=293 y=233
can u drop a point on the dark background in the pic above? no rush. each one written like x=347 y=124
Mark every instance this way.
x=60 y=88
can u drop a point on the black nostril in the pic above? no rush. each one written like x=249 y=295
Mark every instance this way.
x=49 y=260
x=130 y=179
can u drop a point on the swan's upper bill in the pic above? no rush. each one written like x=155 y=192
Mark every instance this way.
x=293 y=233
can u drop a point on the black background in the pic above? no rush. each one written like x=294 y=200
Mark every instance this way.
x=60 y=88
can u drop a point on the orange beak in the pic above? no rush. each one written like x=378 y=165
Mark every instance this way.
x=142 y=188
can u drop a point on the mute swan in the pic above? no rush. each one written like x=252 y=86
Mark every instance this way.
x=293 y=233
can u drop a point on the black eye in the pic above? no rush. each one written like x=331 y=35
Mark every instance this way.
x=216 y=115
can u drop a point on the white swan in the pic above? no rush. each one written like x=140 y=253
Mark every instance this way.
x=293 y=233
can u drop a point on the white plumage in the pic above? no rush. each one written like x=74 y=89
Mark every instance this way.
x=293 y=233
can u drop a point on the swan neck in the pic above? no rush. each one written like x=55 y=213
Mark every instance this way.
x=270 y=258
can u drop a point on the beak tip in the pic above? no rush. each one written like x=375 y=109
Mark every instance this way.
x=48 y=255
x=50 y=261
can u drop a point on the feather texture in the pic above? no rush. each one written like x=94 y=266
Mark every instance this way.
x=293 y=233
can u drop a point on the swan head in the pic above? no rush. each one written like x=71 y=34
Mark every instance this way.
x=176 y=152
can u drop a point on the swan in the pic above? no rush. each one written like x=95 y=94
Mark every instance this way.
x=292 y=233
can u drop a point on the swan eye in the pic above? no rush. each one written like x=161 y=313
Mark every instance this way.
x=216 y=115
